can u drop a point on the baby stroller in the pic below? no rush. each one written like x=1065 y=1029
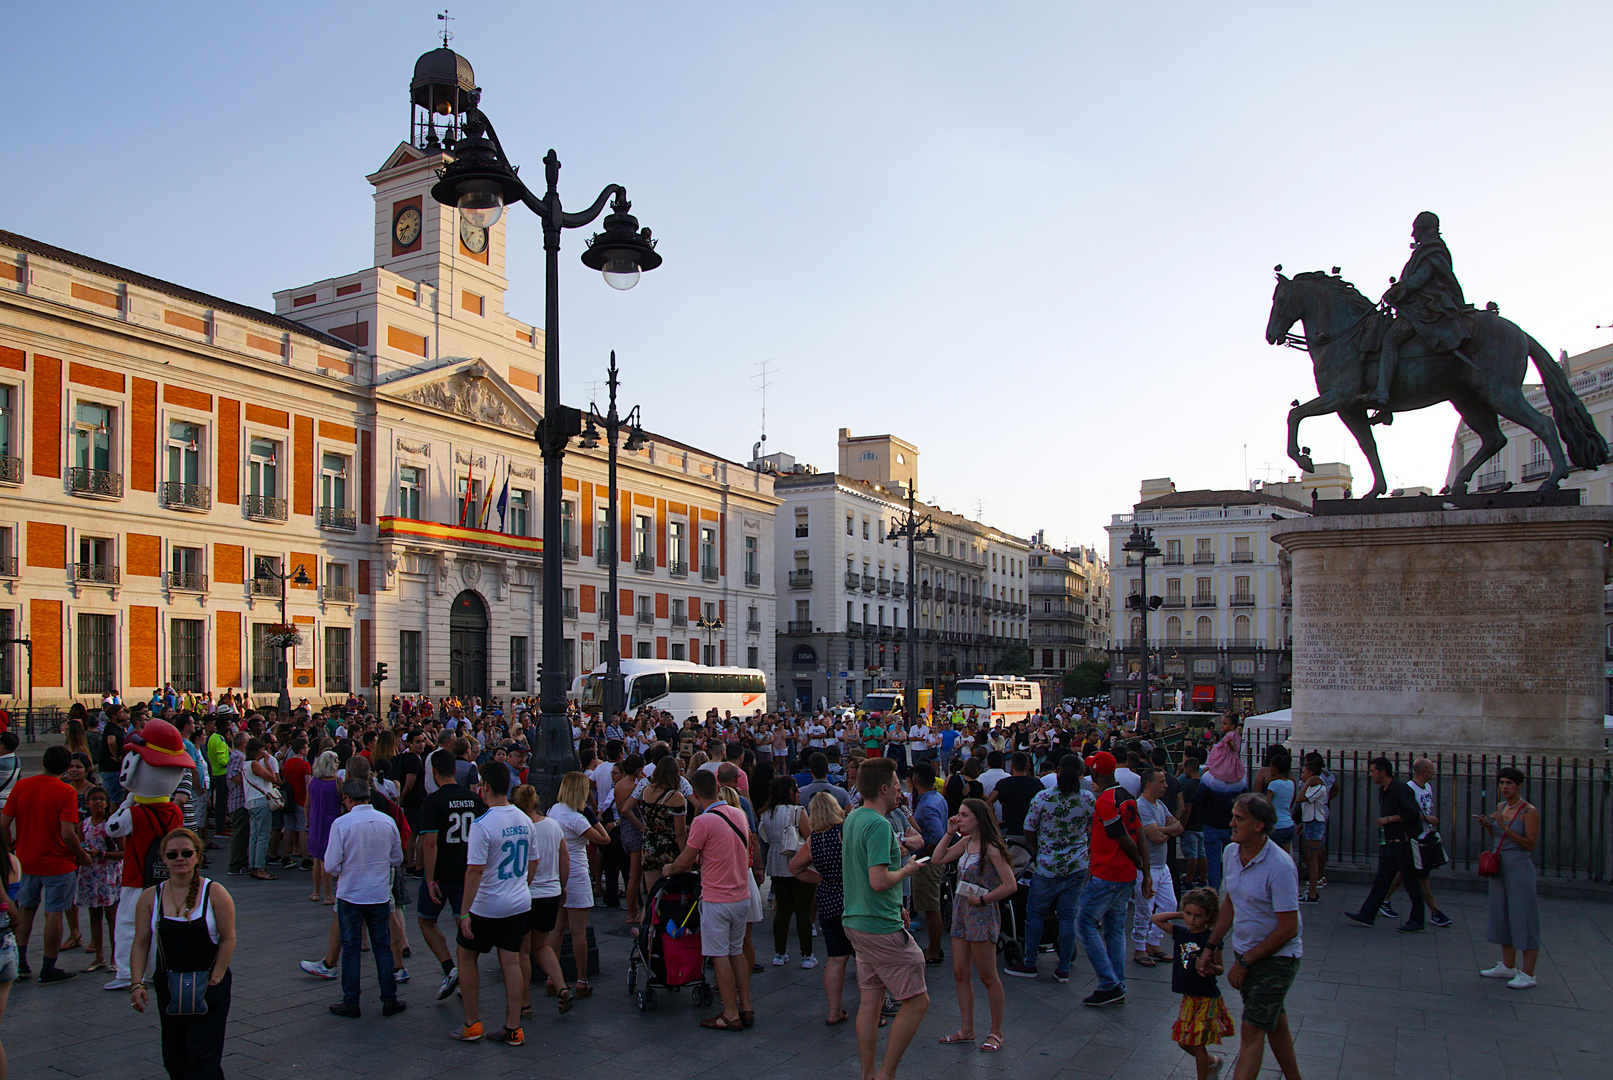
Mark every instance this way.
x=666 y=945
x=1011 y=941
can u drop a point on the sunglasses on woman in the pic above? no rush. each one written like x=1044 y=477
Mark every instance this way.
x=181 y=853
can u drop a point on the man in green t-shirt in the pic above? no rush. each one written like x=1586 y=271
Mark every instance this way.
x=216 y=748
x=888 y=959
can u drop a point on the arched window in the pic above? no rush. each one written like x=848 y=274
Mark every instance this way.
x=1136 y=629
x=1204 y=633
x=868 y=455
x=1240 y=628
x=1173 y=629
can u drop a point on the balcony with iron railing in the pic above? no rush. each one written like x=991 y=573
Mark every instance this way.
x=10 y=469
x=644 y=562
x=644 y=617
x=1243 y=556
x=709 y=572
x=338 y=518
x=184 y=581
x=679 y=620
x=678 y=568
x=800 y=579
x=1173 y=560
x=569 y=551
x=602 y=554
x=1203 y=558
x=753 y=578
x=800 y=626
x=1494 y=481
x=96 y=573
x=8 y=566
x=952 y=596
x=884 y=586
x=868 y=583
x=266 y=586
x=870 y=630
x=1536 y=470
x=1204 y=600
x=925 y=590
x=95 y=483
x=337 y=594
x=1175 y=601
x=753 y=626
x=974 y=599
x=854 y=580
x=1243 y=600
x=177 y=496
x=263 y=508
x=854 y=628
x=898 y=589
x=568 y=611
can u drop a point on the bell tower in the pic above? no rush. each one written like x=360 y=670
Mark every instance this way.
x=415 y=236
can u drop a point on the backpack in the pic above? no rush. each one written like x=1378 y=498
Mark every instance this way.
x=154 y=870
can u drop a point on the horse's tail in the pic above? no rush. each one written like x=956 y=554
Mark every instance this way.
x=1585 y=445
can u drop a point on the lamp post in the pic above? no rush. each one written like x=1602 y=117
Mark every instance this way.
x=28 y=644
x=914 y=528
x=614 y=697
x=1141 y=544
x=298 y=576
x=480 y=181
x=711 y=627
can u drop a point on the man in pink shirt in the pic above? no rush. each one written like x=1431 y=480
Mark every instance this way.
x=719 y=840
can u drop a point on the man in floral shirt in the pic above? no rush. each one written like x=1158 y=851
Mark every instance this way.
x=1059 y=824
x=234 y=778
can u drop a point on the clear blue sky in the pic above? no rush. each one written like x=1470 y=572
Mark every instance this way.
x=1034 y=239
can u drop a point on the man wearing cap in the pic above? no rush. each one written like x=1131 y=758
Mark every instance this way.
x=1114 y=860
x=154 y=764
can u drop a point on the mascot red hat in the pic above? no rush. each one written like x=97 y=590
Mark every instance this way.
x=158 y=743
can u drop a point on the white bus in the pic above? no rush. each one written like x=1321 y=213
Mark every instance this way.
x=681 y=688
x=1004 y=698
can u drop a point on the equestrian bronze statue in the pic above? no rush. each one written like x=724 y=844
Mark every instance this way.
x=1421 y=346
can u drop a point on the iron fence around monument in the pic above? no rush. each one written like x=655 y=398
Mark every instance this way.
x=1574 y=797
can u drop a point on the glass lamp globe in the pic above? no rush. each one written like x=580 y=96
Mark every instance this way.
x=620 y=273
x=481 y=209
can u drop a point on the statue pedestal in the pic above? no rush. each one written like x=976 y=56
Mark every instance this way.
x=1471 y=631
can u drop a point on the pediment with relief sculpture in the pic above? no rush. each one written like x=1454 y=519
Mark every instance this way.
x=472 y=391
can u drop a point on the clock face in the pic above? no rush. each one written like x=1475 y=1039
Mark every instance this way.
x=472 y=237
x=406 y=226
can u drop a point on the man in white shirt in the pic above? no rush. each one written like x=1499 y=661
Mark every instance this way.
x=363 y=848
x=1128 y=775
x=994 y=773
x=498 y=904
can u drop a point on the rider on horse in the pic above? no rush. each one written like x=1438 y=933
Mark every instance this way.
x=1428 y=304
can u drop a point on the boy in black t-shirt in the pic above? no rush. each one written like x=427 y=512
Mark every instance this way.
x=1014 y=794
x=445 y=819
x=1203 y=1019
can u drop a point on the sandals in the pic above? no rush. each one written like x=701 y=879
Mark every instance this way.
x=956 y=1037
x=992 y=1044
x=722 y=1023
x=1143 y=959
x=263 y=875
x=841 y=1019
x=567 y=1000
x=583 y=989
x=747 y=1018
x=97 y=966
x=74 y=942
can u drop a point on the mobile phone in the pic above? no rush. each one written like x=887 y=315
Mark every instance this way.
x=921 y=860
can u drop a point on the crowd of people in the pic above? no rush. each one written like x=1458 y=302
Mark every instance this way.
x=861 y=833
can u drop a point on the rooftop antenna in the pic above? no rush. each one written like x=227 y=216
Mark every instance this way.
x=445 y=19
x=593 y=392
x=763 y=381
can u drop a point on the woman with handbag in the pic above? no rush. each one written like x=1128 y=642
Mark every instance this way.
x=1514 y=922
x=782 y=826
x=260 y=785
x=193 y=920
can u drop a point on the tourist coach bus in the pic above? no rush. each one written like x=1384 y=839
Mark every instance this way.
x=681 y=688
x=1005 y=698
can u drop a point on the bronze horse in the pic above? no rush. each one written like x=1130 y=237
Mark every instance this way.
x=1483 y=382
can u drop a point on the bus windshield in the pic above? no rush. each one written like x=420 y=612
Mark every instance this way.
x=974 y=696
x=646 y=688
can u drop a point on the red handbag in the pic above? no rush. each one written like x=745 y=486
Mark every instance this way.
x=1490 y=861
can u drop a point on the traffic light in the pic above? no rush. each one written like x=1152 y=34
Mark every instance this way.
x=1154 y=602
x=380 y=673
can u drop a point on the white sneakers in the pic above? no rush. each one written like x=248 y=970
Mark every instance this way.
x=780 y=959
x=809 y=962
x=1516 y=979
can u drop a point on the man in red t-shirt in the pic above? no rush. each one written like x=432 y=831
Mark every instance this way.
x=44 y=810
x=296 y=771
x=1115 y=858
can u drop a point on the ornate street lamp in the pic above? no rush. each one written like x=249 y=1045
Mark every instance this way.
x=914 y=528
x=1141 y=544
x=481 y=182
x=298 y=576
x=711 y=627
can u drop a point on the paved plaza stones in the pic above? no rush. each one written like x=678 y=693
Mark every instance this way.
x=1368 y=1004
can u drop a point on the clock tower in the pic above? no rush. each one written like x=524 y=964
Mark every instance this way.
x=417 y=237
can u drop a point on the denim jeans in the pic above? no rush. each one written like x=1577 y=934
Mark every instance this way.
x=258 y=842
x=114 y=790
x=1062 y=894
x=1214 y=840
x=352 y=918
x=1101 y=922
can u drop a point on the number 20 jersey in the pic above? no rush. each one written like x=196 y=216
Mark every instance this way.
x=448 y=812
x=501 y=842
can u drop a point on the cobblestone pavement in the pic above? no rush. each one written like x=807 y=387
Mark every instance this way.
x=1368 y=1003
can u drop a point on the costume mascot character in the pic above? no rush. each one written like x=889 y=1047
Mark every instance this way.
x=154 y=763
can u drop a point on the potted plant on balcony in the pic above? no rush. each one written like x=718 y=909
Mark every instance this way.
x=283 y=636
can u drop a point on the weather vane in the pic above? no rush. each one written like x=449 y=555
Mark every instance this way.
x=445 y=19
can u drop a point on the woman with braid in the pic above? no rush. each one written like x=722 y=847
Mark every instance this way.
x=193 y=922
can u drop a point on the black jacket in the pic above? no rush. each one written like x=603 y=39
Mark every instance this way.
x=1398 y=802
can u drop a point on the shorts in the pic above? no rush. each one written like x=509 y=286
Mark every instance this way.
x=722 y=927
x=296 y=818
x=453 y=895
x=927 y=889
x=413 y=818
x=545 y=911
x=277 y=819
x=834 y=936
x=893 y=962
x=505 y=933
x=1283 y=837
x=1192 y=845
x=8 y=958
x=1314 y=831
x=54 y=892
x=1265 y=986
